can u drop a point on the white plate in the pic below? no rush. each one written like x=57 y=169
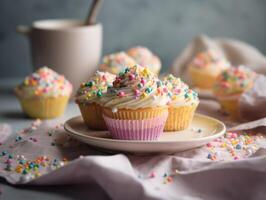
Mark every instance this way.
x=169 y=142
x=204 y=93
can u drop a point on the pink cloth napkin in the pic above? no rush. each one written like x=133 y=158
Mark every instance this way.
x=209 y=172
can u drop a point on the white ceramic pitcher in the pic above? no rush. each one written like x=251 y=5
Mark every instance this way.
x=67 y=46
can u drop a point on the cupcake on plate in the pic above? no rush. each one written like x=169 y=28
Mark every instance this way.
x=136 y=107
x=205 y=67
x=116 y=62
x=144 y=57
x=88 y=99
x=44 y=94
x=182 y=105
x=229 y=86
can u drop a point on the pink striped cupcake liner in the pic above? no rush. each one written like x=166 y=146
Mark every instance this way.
x=147 y=129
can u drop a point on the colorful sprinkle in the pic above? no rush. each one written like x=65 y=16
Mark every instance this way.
x=95 y=87
x=234 y=80
x=121 y=94
x=152 y=174
x=44 y=81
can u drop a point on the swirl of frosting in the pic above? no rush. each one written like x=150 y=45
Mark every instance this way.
x=181 y=94
x=137 y=87
x=234 y=80
x=144 y=57
x=93 y=90
x=44 y=83
x=117 y=62
x=210 y=62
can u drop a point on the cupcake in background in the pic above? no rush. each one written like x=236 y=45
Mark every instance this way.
x=229 y=86
x=88 y=99
x=205 y=67
x=144 y=57
x=44 y=94
x=116 y=62
x=136 y=107
x=182 y=105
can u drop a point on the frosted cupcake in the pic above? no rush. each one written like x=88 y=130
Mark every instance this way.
x=229 y=86
x=136 y=107
x=144 y=57
x=88 y=99
x=182 y=105
x=205 y=67
x=117 y=62
x=44 y=94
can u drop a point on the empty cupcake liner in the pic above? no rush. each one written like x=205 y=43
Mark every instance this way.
x=147 y=129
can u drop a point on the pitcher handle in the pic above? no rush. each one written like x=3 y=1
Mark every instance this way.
x=24 y=30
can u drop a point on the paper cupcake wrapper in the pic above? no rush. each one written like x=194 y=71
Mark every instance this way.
x=129 y=114
x=231 y=106
x=148 y=129
x=44 y=107
x=179 y=117
x=92 y=116
x=202 y=80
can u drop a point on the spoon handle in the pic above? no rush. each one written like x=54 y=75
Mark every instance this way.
x=94 y=10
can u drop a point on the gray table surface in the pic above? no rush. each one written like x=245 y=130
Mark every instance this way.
x=11 y=113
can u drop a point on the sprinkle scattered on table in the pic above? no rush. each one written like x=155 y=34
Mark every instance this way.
x=233 y=146
x=20 y=164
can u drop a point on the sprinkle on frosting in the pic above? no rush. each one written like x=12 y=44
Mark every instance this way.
x=181 y=94
x=209 y=61
x=135 y=75
x=234 y=80
x=144 y=57
x=44 y=82
x=136 y=87
x=117 y=62
x=93 y=90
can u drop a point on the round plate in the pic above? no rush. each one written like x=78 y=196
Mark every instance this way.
x=204 y=93
x=202 y=130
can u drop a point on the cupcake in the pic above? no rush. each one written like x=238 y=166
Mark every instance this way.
x=44 y=94
x=144 y=57
x=182 y=105
x=229 y=86
x=136 y=107
x=205 y=67
x=117 y=62
x=88 y=99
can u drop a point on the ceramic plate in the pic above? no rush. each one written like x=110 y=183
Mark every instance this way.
x=204 y=93
x=202 y=130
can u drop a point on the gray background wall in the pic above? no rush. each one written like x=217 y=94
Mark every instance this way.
x=165 y=26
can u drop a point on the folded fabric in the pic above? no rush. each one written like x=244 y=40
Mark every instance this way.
x=237 y=52
x=50 y=157
x=252 y=103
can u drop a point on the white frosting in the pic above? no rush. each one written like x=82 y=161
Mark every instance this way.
x=44 y=83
